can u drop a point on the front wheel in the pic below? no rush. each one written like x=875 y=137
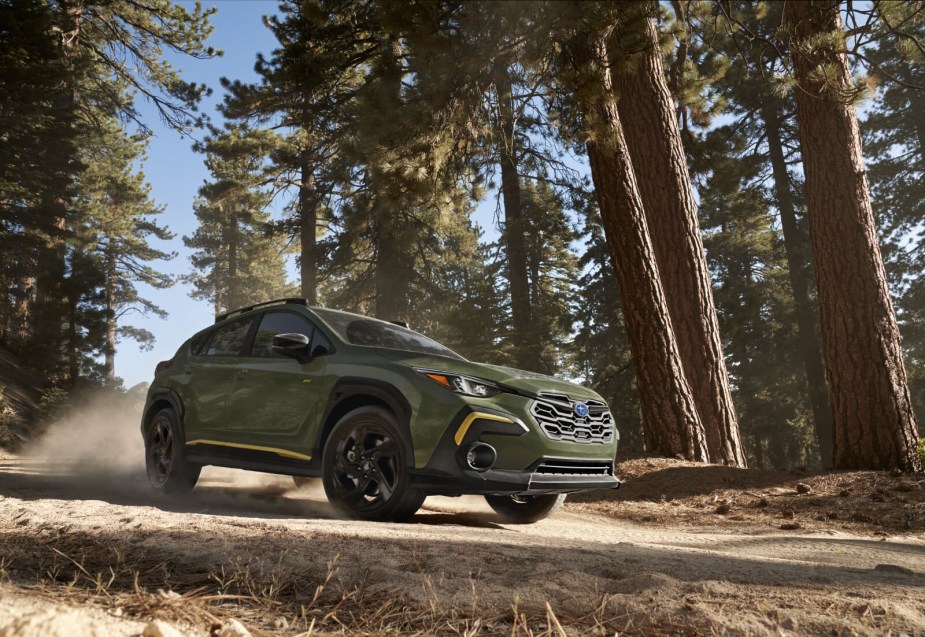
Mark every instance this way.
x=165 y=460
x=365 y=468
x=525 y=509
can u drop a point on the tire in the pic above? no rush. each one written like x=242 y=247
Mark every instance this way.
x=525 y=509
x=365 y=468
x=301 y=481
x=165 y=457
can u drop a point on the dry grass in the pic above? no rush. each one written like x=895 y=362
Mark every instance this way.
x=275 y=600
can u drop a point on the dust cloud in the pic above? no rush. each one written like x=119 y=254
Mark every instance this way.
x=95 y=450
x=95 y=438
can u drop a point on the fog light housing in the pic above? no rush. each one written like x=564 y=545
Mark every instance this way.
x=481 y=456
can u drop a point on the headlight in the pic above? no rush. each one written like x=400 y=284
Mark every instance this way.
x=465 y=385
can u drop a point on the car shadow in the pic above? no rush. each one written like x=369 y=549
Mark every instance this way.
x=33 y=479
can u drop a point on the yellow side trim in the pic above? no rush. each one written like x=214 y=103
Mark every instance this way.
x=278 y=452
x=476 y=415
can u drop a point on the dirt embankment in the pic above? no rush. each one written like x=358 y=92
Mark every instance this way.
x=683 y=549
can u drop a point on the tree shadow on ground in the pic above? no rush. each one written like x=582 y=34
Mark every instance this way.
x=687 y=481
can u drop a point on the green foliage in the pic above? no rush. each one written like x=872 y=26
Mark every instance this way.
x=75 y=214
x=237 y=258
x=754 y=302
x=894 y=136
x=920 y=450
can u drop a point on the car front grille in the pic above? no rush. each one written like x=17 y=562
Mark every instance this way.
x=555 y=414
x=575 y=468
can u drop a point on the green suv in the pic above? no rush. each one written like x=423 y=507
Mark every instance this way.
x=384 y=415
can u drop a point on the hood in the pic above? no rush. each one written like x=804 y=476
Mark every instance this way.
x=520 y=379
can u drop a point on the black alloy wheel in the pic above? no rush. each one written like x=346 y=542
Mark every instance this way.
x=165 y=461
x=525 y=509
x=160 y=452
x=366 y=468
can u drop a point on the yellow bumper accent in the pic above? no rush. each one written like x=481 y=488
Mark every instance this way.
x=476 y=415
x=279 y=452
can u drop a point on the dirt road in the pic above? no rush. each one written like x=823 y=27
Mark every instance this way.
x=97 y=537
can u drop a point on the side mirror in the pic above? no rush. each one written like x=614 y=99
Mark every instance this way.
x=292 y=345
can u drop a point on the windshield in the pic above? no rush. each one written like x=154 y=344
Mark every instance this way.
x=359 y=330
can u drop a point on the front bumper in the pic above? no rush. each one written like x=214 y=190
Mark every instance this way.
x=504 y=482
x=527 y=461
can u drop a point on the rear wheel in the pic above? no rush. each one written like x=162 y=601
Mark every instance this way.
x=165 y=460
x=525 y=509
x=365 y=468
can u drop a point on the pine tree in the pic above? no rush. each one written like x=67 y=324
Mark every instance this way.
x=873 y=417
x=670 y=417
x=764 y=118
x=754 y=302
x=654 y=141
x=552 y=268
x=237 y=260
x=84 y=64
x=305 y=88
x=31 y=72
x=894 y=140
x=120 y=223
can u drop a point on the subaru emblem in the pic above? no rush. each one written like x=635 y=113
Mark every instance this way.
x=581 y=410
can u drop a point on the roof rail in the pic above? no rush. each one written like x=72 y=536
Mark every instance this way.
x=295 y=301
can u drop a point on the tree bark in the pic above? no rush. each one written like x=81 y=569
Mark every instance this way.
x=308 y=256
x=514 y=232
x=73 y=356
x=798 y=263
x=670 y=419
x=51 y=309
x=654 y=142
x=872 y=412
x=22 y=310
x=109 y=348
x=393 y=275
x=234 y=300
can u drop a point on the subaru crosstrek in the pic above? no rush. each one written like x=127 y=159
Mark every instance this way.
x=384 y=415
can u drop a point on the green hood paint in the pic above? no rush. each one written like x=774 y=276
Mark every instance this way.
x=525 y=381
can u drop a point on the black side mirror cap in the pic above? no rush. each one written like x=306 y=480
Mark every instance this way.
x=292 y=345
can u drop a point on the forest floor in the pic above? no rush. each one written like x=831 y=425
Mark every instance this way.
x=683 y=549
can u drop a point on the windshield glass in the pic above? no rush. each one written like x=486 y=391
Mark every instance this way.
x=360 y=330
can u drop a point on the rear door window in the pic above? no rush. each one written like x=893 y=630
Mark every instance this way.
x=274 y=323
x=228 y=340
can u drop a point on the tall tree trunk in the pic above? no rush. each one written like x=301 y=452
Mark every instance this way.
x=798 y=263
x=21 y=310
x=109 y=348
x=234 y=300
x=308 y=256
x=51 y=309
x=514 y=232
x=670 y=419
x=393 y=275
x=73 y=356
x=654 y=142
x=872 y=412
